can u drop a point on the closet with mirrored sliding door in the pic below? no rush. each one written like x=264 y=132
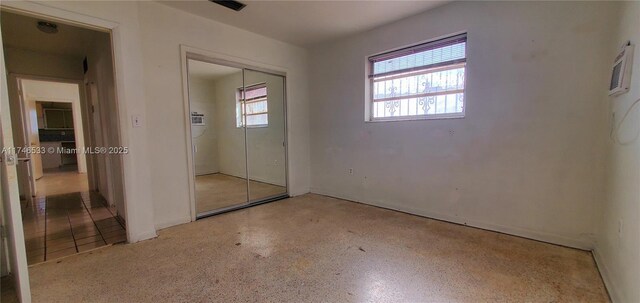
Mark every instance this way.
x=237 y=135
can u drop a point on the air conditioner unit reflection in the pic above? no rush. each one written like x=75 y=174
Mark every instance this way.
x=621 y=73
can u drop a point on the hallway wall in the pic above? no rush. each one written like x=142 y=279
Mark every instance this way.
x=104 y=121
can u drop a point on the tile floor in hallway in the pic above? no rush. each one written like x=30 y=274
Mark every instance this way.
x=61 y=181
x=313 y=248
x=67 y=223
x=7 y=291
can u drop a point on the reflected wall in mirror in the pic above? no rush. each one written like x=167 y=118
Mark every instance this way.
x=218 y=145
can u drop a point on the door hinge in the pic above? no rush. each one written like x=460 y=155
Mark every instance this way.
x=8 y=159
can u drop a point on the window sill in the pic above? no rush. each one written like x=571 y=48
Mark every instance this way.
x=255 y=126
x=416 y=118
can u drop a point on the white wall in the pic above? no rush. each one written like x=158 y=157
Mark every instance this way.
x=103 y=122
x=41 y=64
x=164 y=104
x=202 y=99
x=618 y=251
x=527 y=159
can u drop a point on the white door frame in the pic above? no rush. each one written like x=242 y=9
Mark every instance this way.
x=90 y=93
x=10 y=197
x=24 y=114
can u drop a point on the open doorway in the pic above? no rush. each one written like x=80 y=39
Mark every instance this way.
x=63 y=112
x=52 y=122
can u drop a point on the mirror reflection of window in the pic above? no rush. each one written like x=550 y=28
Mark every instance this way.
x=255 y=113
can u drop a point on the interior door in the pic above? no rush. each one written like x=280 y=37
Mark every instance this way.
x=34 y=140
x=10 y=197
x=265 y=120
x=25 y=159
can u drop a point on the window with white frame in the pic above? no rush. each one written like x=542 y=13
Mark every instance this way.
x=418 y=82
x=252 y=109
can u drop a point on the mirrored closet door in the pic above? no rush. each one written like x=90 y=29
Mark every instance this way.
x=264 y=113
x=238 y=136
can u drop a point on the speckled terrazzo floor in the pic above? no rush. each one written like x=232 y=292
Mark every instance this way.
x=318 y=249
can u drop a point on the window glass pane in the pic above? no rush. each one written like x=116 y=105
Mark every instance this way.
x=258 y=120
x=256 y=107
x=422 y=80
x=253 y=93
x=431 y=105
x=424 y=58
x=408 y=84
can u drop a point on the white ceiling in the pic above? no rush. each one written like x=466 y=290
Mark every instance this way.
x=209 y=71
x=305 y=23
x=20 y=31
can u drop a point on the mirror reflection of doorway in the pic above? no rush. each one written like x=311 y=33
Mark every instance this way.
x=238 y=130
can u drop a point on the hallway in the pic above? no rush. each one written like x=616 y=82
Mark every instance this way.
x=66 y=218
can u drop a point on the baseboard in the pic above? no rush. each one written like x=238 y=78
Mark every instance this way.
x=299 y=192
x=207 y=173
x=515 y=231
x=605 y=273
x=163 y=225
x=142 y=236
